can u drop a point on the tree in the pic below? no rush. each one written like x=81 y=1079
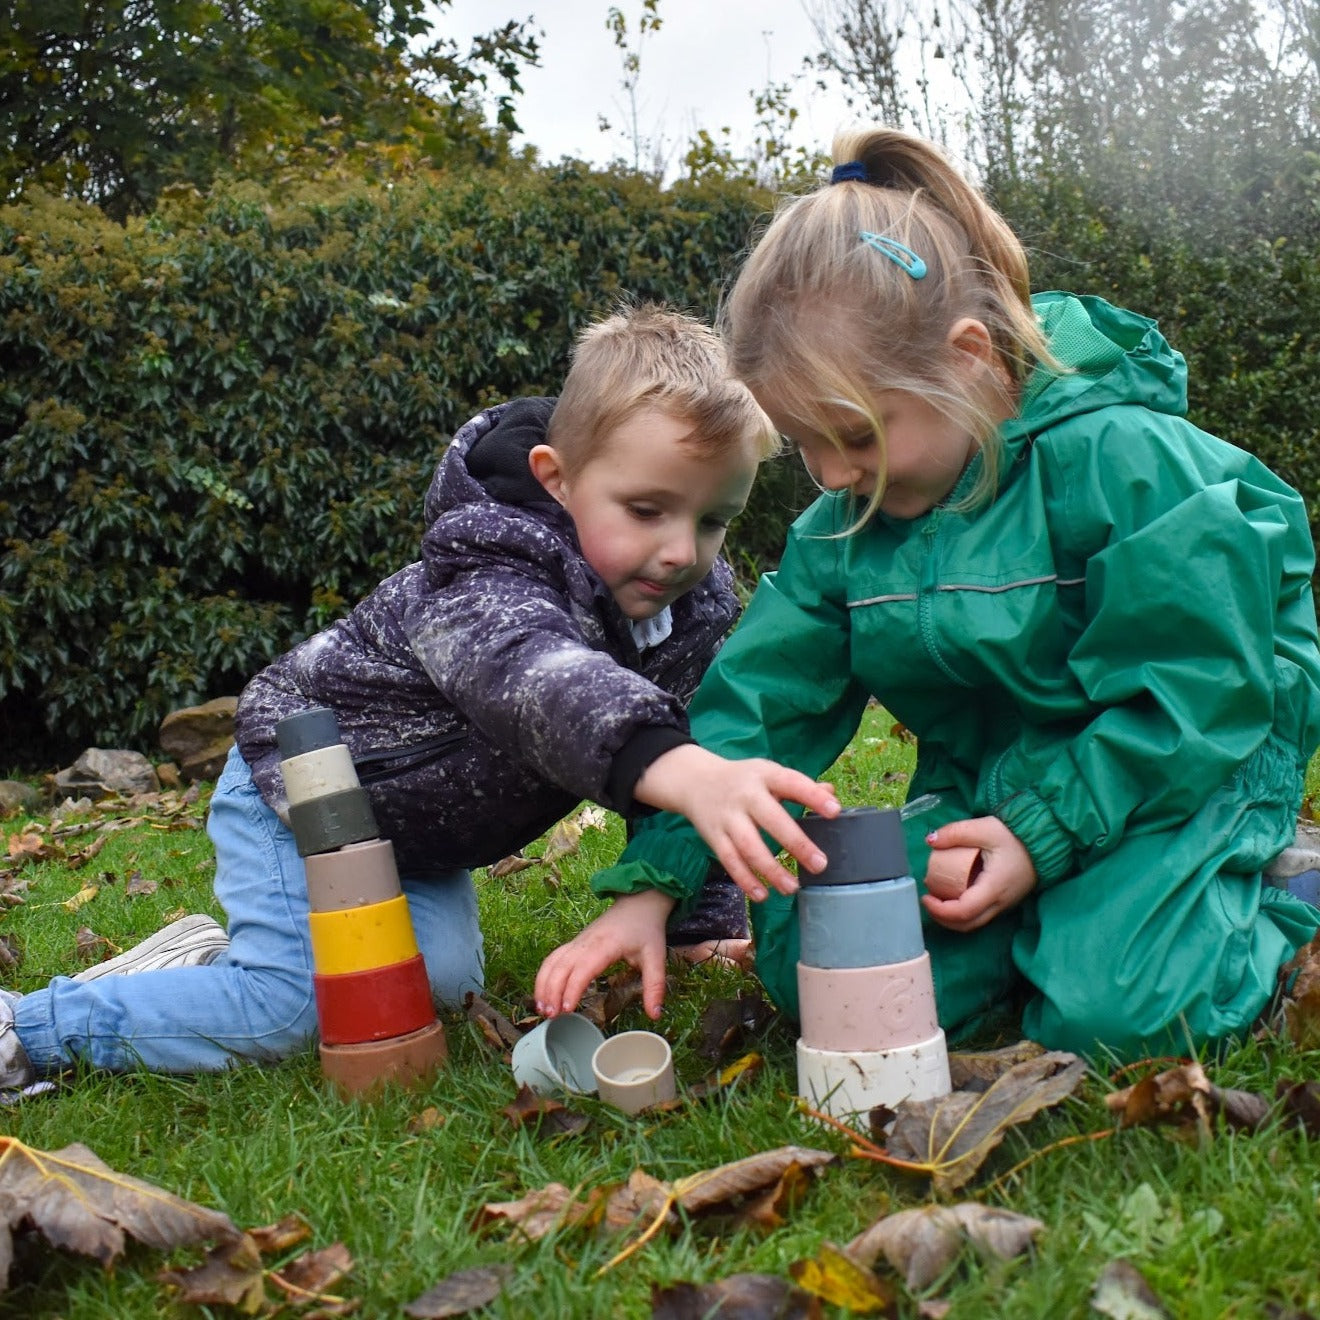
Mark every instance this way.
x=1204 y=109
x=112 y=100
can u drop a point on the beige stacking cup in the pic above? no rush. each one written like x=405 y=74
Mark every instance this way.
x=634 y=1070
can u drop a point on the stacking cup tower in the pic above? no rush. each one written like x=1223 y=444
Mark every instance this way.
x=866 y=997
x=373 y=998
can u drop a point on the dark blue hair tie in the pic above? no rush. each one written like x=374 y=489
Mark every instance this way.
x=848 y=172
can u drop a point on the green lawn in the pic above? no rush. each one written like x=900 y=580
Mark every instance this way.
x=1226 y=1227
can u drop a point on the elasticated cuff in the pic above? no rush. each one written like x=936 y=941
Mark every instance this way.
x=1051 y=848
x=634 y=877
x=633 y=759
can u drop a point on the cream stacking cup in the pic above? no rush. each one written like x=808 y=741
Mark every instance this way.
x=866 y=998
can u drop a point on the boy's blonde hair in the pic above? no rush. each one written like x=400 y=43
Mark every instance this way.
x=650 y=356
x=823 y=319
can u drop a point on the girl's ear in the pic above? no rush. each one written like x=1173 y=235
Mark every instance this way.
x=548 y=469
x=971 y=337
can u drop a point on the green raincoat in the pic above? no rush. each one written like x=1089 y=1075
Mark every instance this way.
x=1117 y=656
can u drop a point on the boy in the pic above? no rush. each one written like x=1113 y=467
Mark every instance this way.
x=542 y=651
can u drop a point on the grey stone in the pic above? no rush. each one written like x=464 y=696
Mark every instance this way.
x=101 y=771
x=16 y=796
x=198 y=738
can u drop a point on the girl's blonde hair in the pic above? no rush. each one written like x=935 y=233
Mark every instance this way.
x=647 y=355
x=823 y=319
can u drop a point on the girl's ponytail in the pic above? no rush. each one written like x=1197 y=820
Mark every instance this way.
x=892 y=159
x=854 y=288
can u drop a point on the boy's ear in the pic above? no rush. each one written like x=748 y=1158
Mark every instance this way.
x=548 y=469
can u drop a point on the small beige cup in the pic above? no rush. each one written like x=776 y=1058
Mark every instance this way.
x=633 y=1070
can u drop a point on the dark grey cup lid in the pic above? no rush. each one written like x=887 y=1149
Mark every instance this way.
x=862 y=843
x=307 y=731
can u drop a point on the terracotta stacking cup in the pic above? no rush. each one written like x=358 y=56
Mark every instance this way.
x=951 y=870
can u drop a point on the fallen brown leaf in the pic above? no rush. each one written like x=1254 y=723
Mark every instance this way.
x=79 y=1203
x=1122 y=1293
x=468 y=1290
x=726 y=1183
x=511 y=865
x=1301 y=1006
x=640 y=1195
x=548 y=1116
x=309 y=1277
x=429 y=1119
x=739 y=1297
x=609 y=996
x=139 y=886
x=492 y=1024
x=541 y=1211
x=975 y=1071
x=275 y=1239
x=726 y=1024
x=922 y=1243
x=1301 y=1104
x=771 y=1209
x=834 y=1276
x=563 y=841
x=85 y=855
x=1184 y=1094
x=950 y=1138
x=231 y=1275
x=31 y=846
x=89 y=947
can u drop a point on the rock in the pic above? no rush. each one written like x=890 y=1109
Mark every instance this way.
x=168 y=774
x=198 y=738
x=101 y=771
x=15 y=796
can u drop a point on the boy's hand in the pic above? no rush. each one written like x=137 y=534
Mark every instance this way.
x=731 y=802
x=1006 y=877
x=631 y=929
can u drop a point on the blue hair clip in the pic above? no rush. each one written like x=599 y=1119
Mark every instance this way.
x=899 y=253
x=848 y=172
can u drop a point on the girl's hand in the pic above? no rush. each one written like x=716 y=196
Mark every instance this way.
x=1006 y=877
x=631 y=929
x=731 y=802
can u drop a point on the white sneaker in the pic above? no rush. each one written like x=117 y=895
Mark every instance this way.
x=15 y=1066
x=191 y=941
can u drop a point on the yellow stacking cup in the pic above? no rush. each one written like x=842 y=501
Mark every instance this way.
x=361 y=938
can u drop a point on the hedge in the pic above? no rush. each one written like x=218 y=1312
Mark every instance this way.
x=217 y=424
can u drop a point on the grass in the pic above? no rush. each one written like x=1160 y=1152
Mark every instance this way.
x=1221 y=1229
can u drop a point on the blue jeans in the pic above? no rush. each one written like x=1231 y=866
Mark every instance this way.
x=254 y=1002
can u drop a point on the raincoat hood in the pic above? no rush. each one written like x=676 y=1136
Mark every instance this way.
x=1106 y=356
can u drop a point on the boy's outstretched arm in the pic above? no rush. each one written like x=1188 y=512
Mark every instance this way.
x=632 y=929
x=729 y=803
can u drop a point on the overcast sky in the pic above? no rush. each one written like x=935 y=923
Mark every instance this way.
x=698 y=71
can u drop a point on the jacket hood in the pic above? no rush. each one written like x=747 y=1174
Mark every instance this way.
x=1109 y=356
x=487 y=459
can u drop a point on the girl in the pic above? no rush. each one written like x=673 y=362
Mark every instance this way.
x=1096 y=618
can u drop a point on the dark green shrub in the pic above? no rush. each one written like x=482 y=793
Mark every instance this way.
x=217 y=425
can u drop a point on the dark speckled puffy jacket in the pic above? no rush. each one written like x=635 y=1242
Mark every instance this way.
x=487 y=689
